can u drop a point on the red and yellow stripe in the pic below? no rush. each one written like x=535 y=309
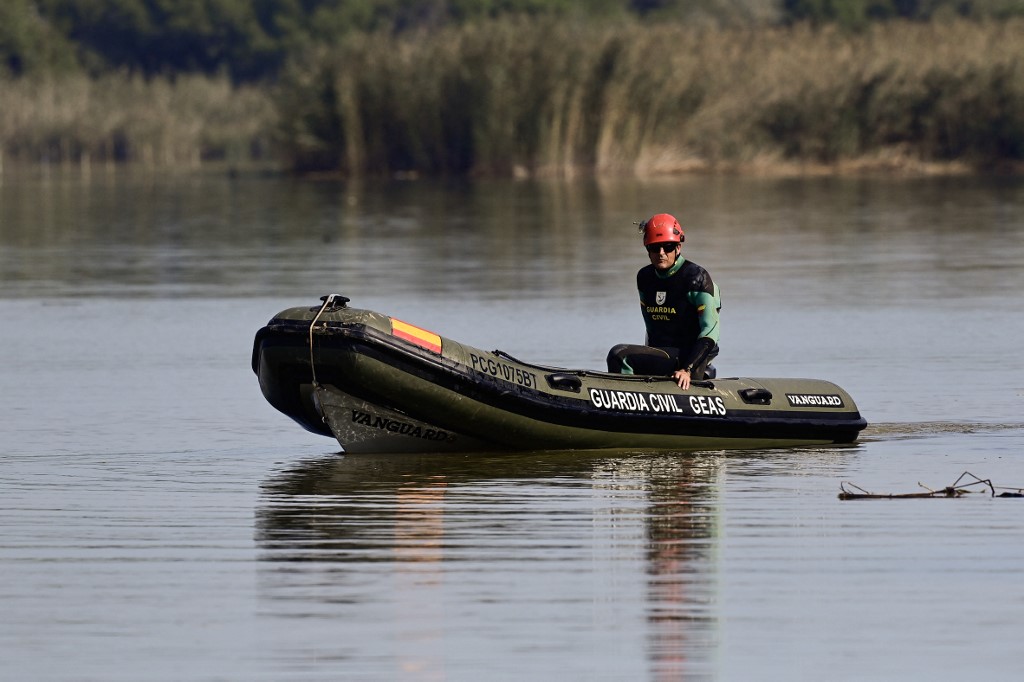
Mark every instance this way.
x=413 y=334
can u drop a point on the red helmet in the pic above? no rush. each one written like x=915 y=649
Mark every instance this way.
x=662 y=228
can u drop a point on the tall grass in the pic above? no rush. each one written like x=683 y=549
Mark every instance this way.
x=159 y=122
x=546 y=96
x=555 y=97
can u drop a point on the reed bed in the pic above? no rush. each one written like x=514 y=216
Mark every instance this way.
x=544 y=97
x=120 y=118
x=520 y=96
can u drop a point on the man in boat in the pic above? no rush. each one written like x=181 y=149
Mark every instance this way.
x=680 y=304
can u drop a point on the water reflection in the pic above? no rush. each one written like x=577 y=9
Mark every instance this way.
x=127 y=544
x=682 y=528
x=569 y=535
x=831 y=239
x=926 y=429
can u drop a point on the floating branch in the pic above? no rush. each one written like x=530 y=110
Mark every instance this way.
x=849 y=491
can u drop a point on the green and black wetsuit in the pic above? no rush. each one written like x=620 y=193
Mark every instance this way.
x=680 y=308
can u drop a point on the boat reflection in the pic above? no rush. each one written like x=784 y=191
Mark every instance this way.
x=447 y=538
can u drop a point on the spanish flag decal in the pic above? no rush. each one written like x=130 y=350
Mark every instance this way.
x=413 y=334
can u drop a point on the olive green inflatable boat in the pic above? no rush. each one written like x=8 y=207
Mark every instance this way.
x=381 y=385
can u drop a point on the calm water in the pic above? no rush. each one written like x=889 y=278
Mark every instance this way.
x=158 y=520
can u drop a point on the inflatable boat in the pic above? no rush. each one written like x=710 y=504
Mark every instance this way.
x=381 y=385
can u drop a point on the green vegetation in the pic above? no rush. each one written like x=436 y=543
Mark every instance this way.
x=514 y=86
x=536 y=97
x=250 y=39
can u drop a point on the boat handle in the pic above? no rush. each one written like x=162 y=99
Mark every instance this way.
x=564 y=382
x=756 y=396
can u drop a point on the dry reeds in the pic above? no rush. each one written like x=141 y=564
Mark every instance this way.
x=550 y=97
x=546 y=96
x=77 y=119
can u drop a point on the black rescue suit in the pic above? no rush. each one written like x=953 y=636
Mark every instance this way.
x=680 y=308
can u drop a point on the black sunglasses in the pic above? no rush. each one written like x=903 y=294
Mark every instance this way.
x=667 y=247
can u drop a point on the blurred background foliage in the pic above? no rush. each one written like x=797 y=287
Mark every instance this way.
x=455 y=86
x=251 y=40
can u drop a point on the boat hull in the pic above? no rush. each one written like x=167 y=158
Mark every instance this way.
x=363 y=427
x=378 y=384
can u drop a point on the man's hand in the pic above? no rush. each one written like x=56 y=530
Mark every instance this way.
x=682 y=378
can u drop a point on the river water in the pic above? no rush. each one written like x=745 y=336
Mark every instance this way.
x=160 y=521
